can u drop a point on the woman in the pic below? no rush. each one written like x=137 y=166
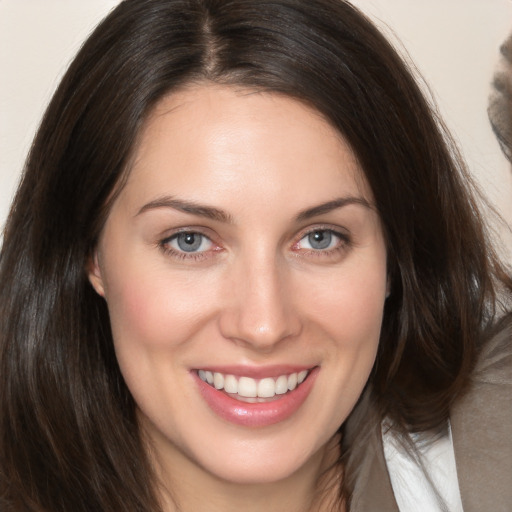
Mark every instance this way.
x=240 y=246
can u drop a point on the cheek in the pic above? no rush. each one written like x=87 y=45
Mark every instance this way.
x=154 y=320
x=350 y=314
x=152 y=310
x=351 y=304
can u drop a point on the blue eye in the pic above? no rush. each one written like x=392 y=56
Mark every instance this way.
x=320 y=240
x=189 y=242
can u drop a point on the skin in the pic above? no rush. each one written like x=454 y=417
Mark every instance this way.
x=256 y=292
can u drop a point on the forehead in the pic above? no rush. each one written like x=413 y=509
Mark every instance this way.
x=211 y=138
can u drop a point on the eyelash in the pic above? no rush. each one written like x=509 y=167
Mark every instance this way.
x=183 y=255
x=343 y=243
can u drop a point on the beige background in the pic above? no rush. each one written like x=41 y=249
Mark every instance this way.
x=454 y=43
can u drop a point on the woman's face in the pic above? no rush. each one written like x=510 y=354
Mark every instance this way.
x=244 y=268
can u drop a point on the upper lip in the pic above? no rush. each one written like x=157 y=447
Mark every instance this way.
x=256 y=372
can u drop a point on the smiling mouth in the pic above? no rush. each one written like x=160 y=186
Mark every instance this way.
x=247 y=389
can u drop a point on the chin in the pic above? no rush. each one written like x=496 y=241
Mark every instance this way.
x=256 y=472
x=263 y=462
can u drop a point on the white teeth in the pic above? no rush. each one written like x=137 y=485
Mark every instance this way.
x=292 y=381
x=218 y=380
x=230 y=384
x=266 y=388
x=247 y=387
x=251 y=388
x=281 y=385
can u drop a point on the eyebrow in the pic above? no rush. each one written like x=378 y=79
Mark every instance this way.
x=332 y=205
x=217 y=214
x=191 y=207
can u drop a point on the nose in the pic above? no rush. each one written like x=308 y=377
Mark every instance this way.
x=260 y=310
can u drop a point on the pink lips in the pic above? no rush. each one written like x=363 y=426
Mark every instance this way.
x=256 y=414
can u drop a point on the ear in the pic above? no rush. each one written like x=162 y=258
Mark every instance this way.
x=94 y=273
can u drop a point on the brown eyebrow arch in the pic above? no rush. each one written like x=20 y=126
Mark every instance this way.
x=332 y=205
x=191 y=207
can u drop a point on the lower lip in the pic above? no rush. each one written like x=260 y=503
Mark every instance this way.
x=256 y=414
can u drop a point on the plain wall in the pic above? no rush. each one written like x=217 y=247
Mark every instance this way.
x=454 y=44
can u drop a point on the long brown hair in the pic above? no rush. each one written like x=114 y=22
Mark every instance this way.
x=69 y=439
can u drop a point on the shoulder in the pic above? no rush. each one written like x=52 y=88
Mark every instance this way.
x=481 y=422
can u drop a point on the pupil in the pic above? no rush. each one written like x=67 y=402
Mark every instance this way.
x=189 y=242
x=320 y=239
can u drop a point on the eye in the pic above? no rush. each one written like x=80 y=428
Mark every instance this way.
x=188 y=242
x=320 y=240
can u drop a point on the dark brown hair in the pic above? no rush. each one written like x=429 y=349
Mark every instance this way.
x=68 y=435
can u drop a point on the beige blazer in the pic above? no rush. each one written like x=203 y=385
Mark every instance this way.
x=481 y=422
